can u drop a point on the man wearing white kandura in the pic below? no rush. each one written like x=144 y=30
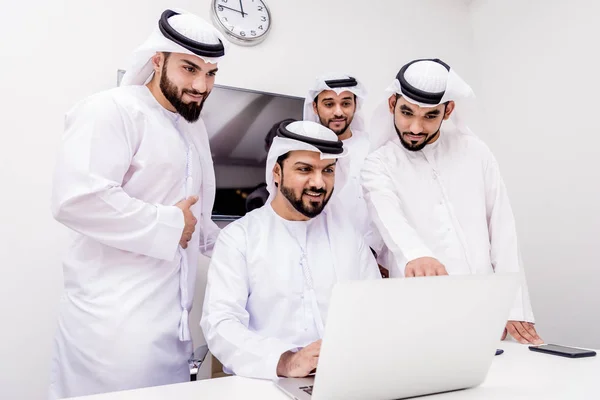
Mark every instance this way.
x=435 y=191
x=273 y=270
x=135 y=182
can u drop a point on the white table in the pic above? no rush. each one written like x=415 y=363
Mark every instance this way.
x=517 y=374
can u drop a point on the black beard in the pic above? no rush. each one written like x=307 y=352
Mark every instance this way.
x=189 y=111
x=412 y=147
x=308 y=211
x=339 y=132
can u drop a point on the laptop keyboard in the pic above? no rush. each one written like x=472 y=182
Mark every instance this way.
x=307 y=389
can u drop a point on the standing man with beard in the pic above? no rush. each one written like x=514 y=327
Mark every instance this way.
x=135 y=182
x=272 y=271
x=335 y=101
x=435 y=191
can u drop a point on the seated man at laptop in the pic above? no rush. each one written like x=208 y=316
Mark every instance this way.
x=272 y=271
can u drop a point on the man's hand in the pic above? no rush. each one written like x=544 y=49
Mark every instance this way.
x=424 y=266
x=190 y=220
x=301 y=363
x=522 y=332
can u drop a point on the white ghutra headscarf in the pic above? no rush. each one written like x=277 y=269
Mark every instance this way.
x=338 y=83
x=425 y=83
x=177 y=32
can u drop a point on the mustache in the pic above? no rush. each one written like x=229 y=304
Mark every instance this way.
x=415 y=134
x=315 y=190
x=195 y=92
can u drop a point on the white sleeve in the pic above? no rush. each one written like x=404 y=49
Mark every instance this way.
x=385 y=209
x=225 y=319
x=505 y=254
x=87 y=196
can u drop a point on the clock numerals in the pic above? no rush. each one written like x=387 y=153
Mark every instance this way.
x=249 y=30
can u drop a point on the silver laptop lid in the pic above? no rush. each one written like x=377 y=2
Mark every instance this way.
x=397 y=338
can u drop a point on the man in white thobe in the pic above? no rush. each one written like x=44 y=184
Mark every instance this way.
x=336 y=100
x=434 y=189
x=135 y=182
x=273 y=270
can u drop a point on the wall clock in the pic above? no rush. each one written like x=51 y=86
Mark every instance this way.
x=245 y=22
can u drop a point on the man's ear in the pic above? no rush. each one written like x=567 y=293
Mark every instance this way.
x=277 y=174
x=449 y=109
x=157 y=60
x=315 y=107
x=392 y=103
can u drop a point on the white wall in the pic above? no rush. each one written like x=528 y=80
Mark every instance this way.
x=538 y=63
x=55 y=53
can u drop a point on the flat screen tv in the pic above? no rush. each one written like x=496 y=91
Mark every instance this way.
x=238 y=121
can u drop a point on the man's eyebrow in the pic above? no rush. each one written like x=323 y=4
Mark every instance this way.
x=191 y=64
x=303 y=163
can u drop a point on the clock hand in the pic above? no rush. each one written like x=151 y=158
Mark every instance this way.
x=242 y=8
x=233 y=9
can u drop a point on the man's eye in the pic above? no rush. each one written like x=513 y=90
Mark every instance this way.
x=406 y=113
x=189 y=69
x=431 y=116
x=329 y=170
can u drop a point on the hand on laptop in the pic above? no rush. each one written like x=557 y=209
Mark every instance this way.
x=522 y=332
x=301 y=363
x=424 y=266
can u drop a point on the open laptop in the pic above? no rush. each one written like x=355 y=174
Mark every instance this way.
x=400 y=338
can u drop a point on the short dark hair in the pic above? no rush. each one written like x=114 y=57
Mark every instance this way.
x=280 y=161
x=282 y=158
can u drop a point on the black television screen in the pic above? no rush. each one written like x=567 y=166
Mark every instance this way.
x=238 y=121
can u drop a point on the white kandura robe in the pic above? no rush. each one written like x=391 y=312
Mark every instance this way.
x=447 y=201
x=121 y=169
x=258 y=304
x=350 y=198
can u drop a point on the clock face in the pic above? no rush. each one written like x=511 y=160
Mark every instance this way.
x=246 y=21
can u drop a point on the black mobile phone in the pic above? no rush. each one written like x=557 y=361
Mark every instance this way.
x=563 y=351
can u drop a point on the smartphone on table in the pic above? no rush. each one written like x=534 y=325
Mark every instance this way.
x=563 y=351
